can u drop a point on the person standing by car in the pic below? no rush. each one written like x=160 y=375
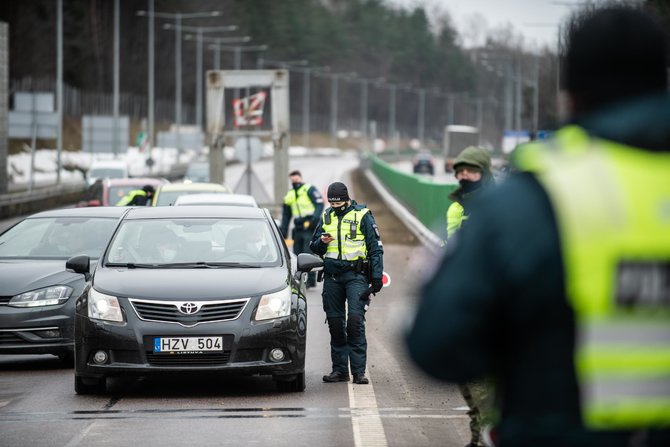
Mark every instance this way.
x=137 y=197
x=304 y=204
x=348 y=239
x=558 y=285
x=472 y=169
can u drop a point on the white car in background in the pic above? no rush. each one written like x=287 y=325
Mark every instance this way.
x=106 y=169
x=217 y=199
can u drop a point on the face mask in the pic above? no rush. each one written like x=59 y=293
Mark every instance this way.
x=340 y=209
x=296 y=185
x=468 y=185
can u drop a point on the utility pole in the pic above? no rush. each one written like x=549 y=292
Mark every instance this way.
x=177 y=17
x=199 y=31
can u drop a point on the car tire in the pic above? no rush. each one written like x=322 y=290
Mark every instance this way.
x=297 y=385
x=89 y=385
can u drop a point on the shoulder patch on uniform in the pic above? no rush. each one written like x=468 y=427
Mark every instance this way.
x=379 y=243
x=374 y=226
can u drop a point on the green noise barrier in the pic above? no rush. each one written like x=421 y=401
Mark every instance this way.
x=420 y=195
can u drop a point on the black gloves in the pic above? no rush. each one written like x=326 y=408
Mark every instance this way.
x=377 y=285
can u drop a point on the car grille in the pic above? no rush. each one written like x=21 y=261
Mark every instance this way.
x=172 y=311
x=188 y=359
x=4 y=300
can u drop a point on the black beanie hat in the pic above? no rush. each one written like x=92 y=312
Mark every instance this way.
x=337 y=192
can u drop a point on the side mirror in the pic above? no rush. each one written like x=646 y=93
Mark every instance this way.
x=308 y=261
x=80 y=264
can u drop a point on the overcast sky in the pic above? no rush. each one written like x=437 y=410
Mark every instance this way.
x=536 y=20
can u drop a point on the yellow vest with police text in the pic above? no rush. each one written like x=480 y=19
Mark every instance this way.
x=612 y=204
x=349 y=241
x=299 y=201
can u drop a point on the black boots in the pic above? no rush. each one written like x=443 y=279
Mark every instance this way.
x=361 y=379
x=336 y=376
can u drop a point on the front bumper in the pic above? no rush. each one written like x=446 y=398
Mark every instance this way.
x=39 y=330
x=129 y=347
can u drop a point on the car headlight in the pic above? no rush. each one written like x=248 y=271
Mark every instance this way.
x=103 y=307
x=48 y=296
x=274 y=305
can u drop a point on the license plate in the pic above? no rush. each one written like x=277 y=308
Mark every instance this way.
x=187 y=344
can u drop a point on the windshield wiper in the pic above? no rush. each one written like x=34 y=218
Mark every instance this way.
x=132 y=265
x=208 y=265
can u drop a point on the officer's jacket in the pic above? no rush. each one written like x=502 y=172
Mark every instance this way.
x=356 y=237
x=304 y=204
x=498 y=302
x=134 y=197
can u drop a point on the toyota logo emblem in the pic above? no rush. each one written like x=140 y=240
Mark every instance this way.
x=188 y=308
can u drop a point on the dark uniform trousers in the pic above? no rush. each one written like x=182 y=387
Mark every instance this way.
x=301 y=240
x=347 y=336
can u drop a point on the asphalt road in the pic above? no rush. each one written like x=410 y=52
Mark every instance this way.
x=401 y=406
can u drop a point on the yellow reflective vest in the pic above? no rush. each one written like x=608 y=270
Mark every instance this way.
x=455 y=218
x=299 y=201
x=125 y=200
x=348 y=240
x=612 y=205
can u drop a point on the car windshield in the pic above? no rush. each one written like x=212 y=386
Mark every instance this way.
x=198 y=172
x=57 y=238
x=166 y=198
x=194 y=243
x=116 y=193
x=107 y=173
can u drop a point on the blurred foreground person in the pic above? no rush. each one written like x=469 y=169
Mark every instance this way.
x=559 y=285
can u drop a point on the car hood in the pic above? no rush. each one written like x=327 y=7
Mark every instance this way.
x=189 y=283
x=18 y=276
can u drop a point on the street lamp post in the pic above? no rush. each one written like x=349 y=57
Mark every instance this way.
x=177 y=17
x=200 y=30
x=306 y=90
x=238 y=50
x=334 y=94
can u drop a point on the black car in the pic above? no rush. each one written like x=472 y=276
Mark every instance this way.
x=37 y=294
x=193 y=289
x=423 y=163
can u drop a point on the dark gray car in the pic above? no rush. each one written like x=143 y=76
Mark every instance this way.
x=37 y=294
x=193 y=289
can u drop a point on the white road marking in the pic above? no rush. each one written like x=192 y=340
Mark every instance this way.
x=74 y=442
x=365 y=418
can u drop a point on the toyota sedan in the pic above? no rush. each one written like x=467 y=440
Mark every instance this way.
x=193 y=289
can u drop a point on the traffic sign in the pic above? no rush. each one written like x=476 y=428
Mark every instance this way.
x=386 y=279
x=248 y=111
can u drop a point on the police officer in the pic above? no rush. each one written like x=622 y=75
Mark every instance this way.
x=472 y=169
x=137 y=197
x=348 y=239
x=304 y=204
x=558 y=284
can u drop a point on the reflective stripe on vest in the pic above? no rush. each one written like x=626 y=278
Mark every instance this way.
x=613 y=210
x=299 y=201
x=455 y=218
x=344 y=246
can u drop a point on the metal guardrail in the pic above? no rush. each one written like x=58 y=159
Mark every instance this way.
x=18 y=203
